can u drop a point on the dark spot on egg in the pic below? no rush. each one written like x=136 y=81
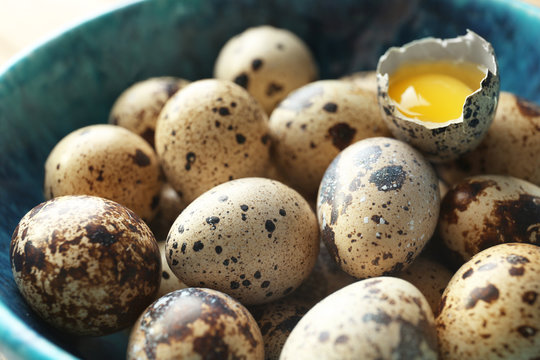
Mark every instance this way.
x=212 y=221
x=190 y=159
x=516 y=259
x=273 y=88
x=256 y=64
x=282 y=212
x=467 y=273
x=516 y=271
x=330 y=107
x=198 y=246
x=218 y=249
x=388 y=178
x=140 y=158
x=165 y=275
x=244 y=207
x=380 y=317
x=242 y=80
x=527 y=331
x=342 y=135
x=487 y=294
x=459 y=198
x=235 y=285
x=240 y=139
x=269 y=226
x=265 y=284
x=529 y=297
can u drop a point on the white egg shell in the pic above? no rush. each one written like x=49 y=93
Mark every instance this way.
x=377 y=207
x=195 y=323
x=252 y=238
x=490 y=309
x=441 y=142
x=380 y=318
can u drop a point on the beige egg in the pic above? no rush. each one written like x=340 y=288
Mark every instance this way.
x=377 y=207
x=510 y=147
x=138 y=107
x=490 y=307
x=485 y=210
x=268 y=62
x=430 y=277
x=211 y=132
x=443 y=141
x=366 y=80
x=276 y=321
x=253 y=238
x=86 y=265
x=107 y=161
x=171 y=205
x=195 y=323
x=169 y=281
x=314 y=123
x=380 y=318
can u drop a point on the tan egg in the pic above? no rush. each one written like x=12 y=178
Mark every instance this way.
x=86 y=265
x=443 y=188
x=377 y=207
x=380 y=318
x=171 y=205
x=107 y=161
x=138 y=107
x=490 y=307
x=366 y=80
x=195 y=323
x=314 y=123
x=486 y=210
x=276 y=321
x=430 y=277
x=211 y=132
x=510 y=147
x=169 y=281
x=253 y=238
x=268 y=62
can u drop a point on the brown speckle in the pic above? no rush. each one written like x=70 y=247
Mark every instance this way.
x=256 y=64
x=140 y=158
x=529 y=297
x=487 y=294
x=341 y=134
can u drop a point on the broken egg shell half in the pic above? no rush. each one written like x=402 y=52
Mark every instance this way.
x=447 y=140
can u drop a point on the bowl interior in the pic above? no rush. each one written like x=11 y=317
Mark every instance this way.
x=72 y=80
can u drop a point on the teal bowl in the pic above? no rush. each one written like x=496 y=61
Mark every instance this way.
x=72 y=80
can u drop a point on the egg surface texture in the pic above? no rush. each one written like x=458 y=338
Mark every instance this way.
x=377 y=207
x=195 y=323
x=268 y=62
x=107 y=161
x=208 y=133
x=138 y=107
x=490 y=308
x=169 y=281
x=380 y=318
x=485 y=210
x=314 y=123
x=86 y=265
x=253 y=238
x=434 y=71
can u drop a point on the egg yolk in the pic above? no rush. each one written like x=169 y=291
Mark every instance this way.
x=434 y=91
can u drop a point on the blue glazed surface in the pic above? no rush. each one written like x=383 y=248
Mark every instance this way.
x=72 y=80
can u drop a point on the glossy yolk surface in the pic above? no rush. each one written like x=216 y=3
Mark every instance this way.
x=435 y=91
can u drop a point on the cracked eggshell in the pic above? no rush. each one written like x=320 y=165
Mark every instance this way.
x=486 y=210
x=510 y=147
x=138 y=107
x=490 y=307
x=380 y=318
x=317 y=121
x=107 y=161
x=253 y=238
x=195 y=323
x=446 y=141
x=269 y=62
x=377 y=207
x=208 y=133
x=86 y=265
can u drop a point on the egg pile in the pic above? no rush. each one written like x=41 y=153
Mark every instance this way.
x=266 y=214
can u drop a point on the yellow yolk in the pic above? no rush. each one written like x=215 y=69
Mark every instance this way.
x=435 y=91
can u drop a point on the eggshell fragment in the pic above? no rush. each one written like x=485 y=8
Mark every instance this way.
x=490 y=307
x=86 y=265
x=195 y=323
x=253 y=238
x=377 y=207
x=486 y=210
x=380 y=318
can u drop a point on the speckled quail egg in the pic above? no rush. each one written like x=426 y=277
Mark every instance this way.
x=380 y=318
x=196 y=323
x=86 y=265
x=269 y=62
x=169 y=281
x=208 y=133
x=137 y=108
x=253 y=238
x=490 y=309
x=377 y=206
x=171 y=205
x=430 y=277
x=366 y=80
x=314 y=123
x=276 y=321
x=510 y=147
x=439 y=95
x=486 y=210
x=107 y=161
